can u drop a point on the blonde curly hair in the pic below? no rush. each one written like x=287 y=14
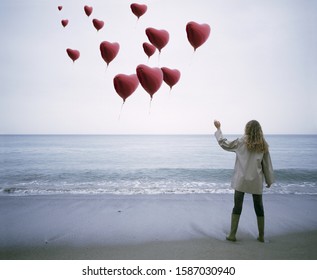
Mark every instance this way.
x=254 y=137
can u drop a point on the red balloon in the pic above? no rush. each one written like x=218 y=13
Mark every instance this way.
x=98 y=24
x=197 y=34
x=138 y=9
x=159 y=38
x=88 y=10
x=109 y=51
x=60 y=8
x=171 y=76
x=148 y=49
x=125 y=85
x=73 y=54
x=150 y=78
x=64 y=22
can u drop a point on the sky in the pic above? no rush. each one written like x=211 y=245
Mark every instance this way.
x=259 y=62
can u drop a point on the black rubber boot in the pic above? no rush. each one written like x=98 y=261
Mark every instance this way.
x=261 y=228
x=234 y=227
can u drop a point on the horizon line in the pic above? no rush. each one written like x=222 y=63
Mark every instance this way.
x=140 y=134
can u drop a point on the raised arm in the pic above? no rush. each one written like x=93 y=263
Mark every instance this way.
x=217 y=124
x=230 y=146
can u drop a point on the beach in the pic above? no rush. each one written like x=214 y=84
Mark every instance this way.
x=154 y=227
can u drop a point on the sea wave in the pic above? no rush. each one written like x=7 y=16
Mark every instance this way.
x=148 y=181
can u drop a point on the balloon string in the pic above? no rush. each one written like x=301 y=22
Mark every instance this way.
x=120 y=111
x=192 y=58
x=159 y=58
x=150 y=106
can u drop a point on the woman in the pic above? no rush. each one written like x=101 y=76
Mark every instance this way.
x=253 y=164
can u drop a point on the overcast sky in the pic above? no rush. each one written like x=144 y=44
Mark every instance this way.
x=259 y=62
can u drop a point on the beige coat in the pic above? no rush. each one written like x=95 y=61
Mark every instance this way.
x=251 y=168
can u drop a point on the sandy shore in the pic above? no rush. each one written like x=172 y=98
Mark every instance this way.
x=296 y=246
x=189 y=227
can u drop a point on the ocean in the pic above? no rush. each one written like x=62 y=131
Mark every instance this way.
x=143 y=164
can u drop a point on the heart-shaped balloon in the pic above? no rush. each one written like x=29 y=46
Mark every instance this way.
x=98 y=24
x=73 y=54
x=125 y=85
x=150 y=78
x=88 y=10
x=60 y=8
x=148 y=49
x=171 y=76
x=109 y=51
x=197 y=34
x=64 y=22
x=158 y=38
x=138 y=9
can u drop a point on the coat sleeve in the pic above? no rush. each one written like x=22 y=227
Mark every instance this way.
x=267 y=168
x=230 y=146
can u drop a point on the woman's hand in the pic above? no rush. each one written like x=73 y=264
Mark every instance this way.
x=217 y=124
